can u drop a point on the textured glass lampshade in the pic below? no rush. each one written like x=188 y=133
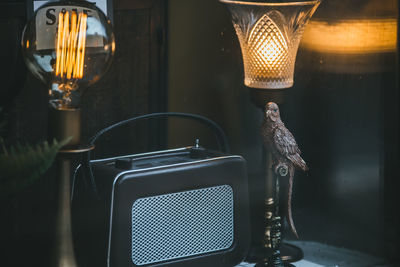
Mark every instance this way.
x=68 y=45
x=269 y=35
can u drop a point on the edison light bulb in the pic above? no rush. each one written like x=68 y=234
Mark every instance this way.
x=68 y=45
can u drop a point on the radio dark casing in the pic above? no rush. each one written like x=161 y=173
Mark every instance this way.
x=181 y=207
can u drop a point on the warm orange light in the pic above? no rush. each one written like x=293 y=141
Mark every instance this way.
x=352 y=36
x=70 y=44
x=271 y=51
x=267 y=47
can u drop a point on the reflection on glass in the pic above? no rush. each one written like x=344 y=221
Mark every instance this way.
x=357 y=37
x=351 y=36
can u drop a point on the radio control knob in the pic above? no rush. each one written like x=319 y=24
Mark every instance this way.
x=197 y=152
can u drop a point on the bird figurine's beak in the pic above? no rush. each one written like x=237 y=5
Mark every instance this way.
x=268 y=112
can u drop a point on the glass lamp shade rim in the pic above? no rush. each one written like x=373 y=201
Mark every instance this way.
x=268 y=84
x=246 y=3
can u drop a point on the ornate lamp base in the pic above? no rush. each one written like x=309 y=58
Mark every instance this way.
x=272 y=235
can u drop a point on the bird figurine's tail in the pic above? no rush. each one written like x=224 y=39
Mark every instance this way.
x=289 y=216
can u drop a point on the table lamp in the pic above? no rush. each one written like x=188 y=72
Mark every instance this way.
x=68 y=45
x=269 y=34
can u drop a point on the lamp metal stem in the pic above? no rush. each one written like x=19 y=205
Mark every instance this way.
x=65 y=123
x=64 y=244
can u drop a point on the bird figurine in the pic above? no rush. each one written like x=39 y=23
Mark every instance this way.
x=280 y=142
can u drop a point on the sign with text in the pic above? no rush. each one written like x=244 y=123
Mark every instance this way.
x=47 y=26
x=102 y=4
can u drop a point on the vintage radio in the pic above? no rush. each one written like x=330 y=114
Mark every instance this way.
x=180 y=207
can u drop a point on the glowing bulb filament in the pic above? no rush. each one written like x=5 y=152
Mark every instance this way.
x=70 y=44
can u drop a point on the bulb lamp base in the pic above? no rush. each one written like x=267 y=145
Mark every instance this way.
x=65 y=123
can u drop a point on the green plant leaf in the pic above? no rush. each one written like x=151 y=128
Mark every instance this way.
x=21 y=165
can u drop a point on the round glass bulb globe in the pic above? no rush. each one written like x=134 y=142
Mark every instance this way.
x=68 y=45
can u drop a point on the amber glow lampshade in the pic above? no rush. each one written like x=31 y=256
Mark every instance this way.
x=269 y=36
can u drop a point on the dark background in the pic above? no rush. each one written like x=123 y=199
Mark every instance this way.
x=343 y=110
x=184 y=56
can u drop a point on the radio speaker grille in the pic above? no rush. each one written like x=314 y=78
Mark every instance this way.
x=178 y=225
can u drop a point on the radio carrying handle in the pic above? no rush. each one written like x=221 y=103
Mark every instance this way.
x=220 y=135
